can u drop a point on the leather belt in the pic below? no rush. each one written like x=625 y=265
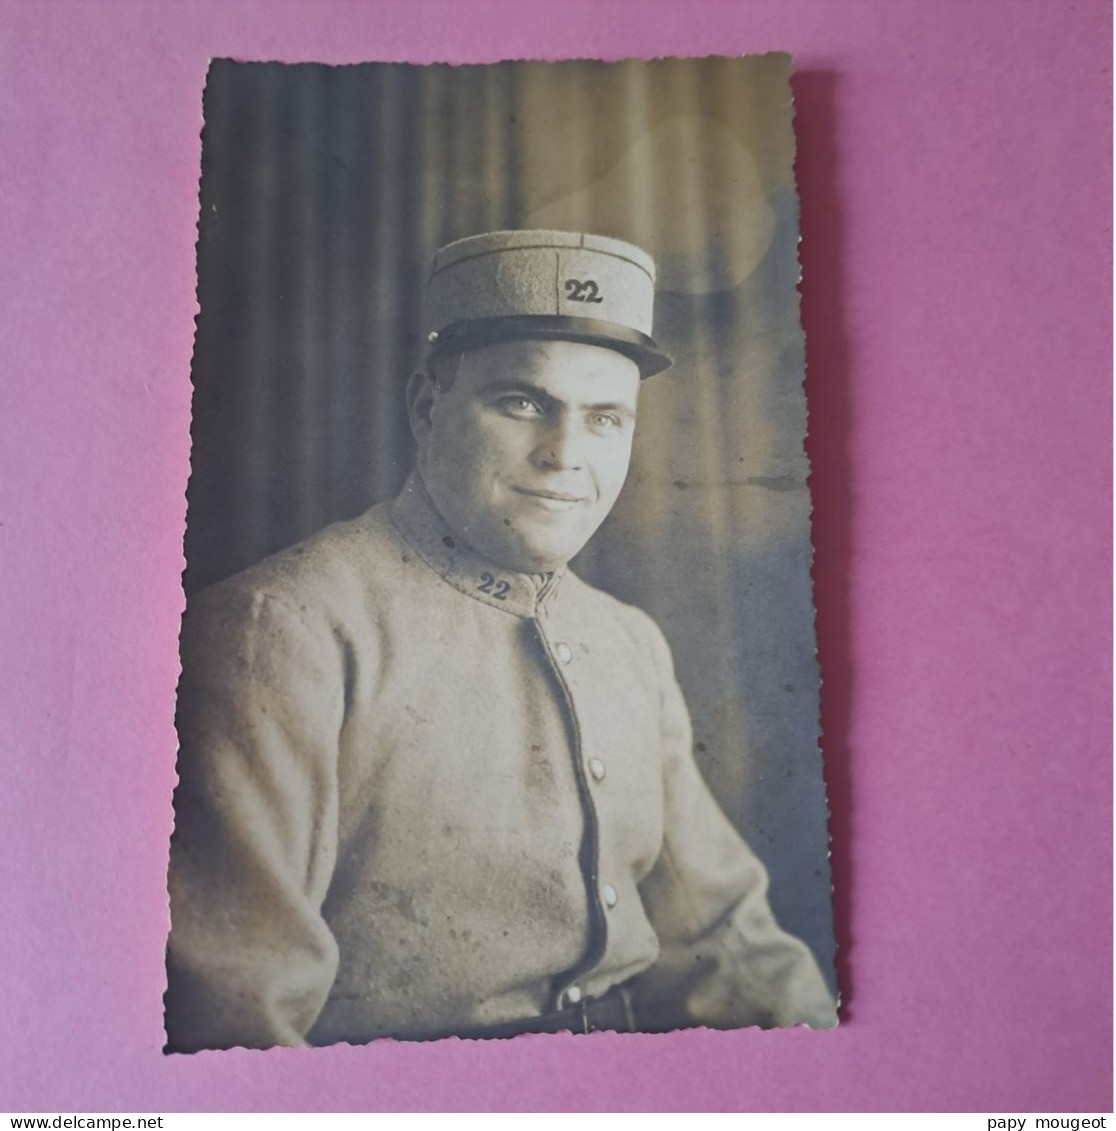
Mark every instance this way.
x=611 y=1011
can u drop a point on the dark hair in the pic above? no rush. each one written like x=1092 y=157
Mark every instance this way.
x=443 y=367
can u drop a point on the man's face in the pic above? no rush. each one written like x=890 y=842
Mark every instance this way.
x=527 y=447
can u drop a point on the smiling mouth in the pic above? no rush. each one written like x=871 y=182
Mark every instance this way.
x=551 y=500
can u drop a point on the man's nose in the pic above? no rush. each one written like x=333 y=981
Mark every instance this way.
x=559 y=447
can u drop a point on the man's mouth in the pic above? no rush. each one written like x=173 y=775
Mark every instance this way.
x=551 y=500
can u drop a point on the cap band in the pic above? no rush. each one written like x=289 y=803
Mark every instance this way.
x=471 y=332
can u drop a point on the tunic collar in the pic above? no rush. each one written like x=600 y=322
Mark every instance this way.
x=458 y=564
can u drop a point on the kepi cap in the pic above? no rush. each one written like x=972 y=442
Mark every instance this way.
x=533 y=284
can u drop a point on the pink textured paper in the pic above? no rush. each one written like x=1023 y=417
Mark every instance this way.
x=954 y=167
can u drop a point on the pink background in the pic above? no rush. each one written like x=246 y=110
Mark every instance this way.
x=955 y=170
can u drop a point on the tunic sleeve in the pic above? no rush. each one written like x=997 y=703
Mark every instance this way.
x=724 y=960
x=250 y=959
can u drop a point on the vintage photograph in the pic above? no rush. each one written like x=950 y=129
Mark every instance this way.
x=498 y=710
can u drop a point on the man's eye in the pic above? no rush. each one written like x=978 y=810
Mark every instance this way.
x=520 y=406
x=604 y=421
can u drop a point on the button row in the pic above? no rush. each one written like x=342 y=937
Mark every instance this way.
x=597 y=768
x=572 y=994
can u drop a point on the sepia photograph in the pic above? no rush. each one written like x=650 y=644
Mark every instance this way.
x=558 y=558
x=499 y=701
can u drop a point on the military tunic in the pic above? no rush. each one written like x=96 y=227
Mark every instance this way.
x=420 y=794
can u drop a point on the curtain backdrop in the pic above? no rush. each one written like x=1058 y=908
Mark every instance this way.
x=325 y=192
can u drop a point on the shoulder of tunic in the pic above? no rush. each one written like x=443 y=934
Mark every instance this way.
x=638 y=626
x=325 y=577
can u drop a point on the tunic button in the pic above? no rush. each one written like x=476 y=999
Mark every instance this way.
x=609 y=894
x=573 y=995
x=597 y=768
x=565 y=653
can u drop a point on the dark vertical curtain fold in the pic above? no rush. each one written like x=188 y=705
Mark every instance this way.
x=325 y=192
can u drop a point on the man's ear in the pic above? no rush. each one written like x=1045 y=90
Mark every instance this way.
x=421 y=391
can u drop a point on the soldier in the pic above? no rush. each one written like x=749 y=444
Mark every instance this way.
x=431 y=782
